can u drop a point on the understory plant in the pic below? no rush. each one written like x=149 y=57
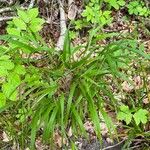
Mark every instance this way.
x=138 y=8
x=43 y=91
x=100 y=12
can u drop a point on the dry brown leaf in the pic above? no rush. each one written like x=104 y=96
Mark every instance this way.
x=89 y=127
x=72 y=11
x=109 y=140
x=58 y=139
x=38 y=144
x=5 y=137
x=127 y=87
x=104 y=129
x=70 y=132
x=146 y=101
x=138 y=82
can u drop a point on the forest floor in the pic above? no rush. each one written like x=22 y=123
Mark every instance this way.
x=121 y=24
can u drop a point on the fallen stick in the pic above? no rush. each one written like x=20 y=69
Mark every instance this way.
x=6 y=9
x=63 y=28
x=31 y=4
x=6 y=1
x=5 y=18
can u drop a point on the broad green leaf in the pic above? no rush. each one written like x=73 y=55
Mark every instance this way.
x=36 y=24
x=9 y=91
x=124 y=114
x=2 y=100
x=3 y=71
x=4 y=57
x=7 y=64
x=19 y=69
x=19 y=23
x=10 y=88
x=14 y=79
x=121 y=2
x=33 y=13
x=141 y=116
x=13 y=31
x=23 y=15
x=124 y=108
x=114 y=4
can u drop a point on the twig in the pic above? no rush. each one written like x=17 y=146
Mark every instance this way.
x=114 y=146
x=5 y=9
x=5 y=18
x=31 y=4
x=63 y=28
x=6 y=1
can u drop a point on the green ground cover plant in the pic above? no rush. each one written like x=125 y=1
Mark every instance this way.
x=57 y=91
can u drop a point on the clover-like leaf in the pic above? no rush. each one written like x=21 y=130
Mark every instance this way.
x=124 y=114
x=140 y=116
x=121 y=2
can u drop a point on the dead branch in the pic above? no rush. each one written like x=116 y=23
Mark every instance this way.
x=7 y=2
x=5 y=18
x=6 y=9
x=63 y=28
x=31 y=4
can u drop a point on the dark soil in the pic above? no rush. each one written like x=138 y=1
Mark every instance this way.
x=95 y=145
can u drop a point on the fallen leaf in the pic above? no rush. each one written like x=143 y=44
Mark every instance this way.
x=72 y=11
x=70 y=132
x=58 y=139
x=104 y=129
x=127 y=87
x=89 y=127
x=138 y=82
x=5 y=137
x=110 y=141
x=146 y=101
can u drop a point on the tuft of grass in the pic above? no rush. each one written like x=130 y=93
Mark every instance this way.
x=64 y=92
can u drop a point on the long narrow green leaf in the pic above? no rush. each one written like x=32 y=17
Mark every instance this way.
x=66 y=49
x=92 y=108
x=62 y=103
x=17 y=43
x=51 y=124
x=79 y=120
x=34 y=129
x=107 y=119
x=69 y=102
